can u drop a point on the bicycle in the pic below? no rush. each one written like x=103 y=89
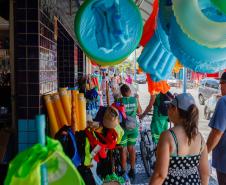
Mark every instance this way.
x=116 y=160
x=147 y=147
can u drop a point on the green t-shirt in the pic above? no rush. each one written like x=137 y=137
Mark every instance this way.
x=159 y=122
x=131 y=106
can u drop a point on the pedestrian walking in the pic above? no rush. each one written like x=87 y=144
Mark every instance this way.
x=132 y=107
x=216 y=141
x=182 y=156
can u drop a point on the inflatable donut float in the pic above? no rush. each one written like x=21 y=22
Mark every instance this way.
x=108 y=31
x=197 y=26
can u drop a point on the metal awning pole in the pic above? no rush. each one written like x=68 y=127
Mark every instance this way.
x=135 y=66
x=184 y=79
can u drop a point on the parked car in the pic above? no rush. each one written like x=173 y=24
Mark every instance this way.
x=210 y=105
x=141 y=78
x=208 y=87
x=173 y=82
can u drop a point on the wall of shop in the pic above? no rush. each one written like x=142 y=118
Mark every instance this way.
x=65 y=57
x=45 y=58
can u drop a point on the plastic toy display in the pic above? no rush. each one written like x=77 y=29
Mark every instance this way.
x=156 y=58
x=108 y=31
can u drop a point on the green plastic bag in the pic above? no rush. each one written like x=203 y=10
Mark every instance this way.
x=24 y=169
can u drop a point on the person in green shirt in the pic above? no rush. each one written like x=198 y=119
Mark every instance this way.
x=132 y=107
x=159 y=122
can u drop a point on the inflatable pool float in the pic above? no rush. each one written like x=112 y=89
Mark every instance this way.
x=150 y=24
x=197 y=26
x=108 y=31
x=156 y=57
x=157 y=87
x=165 y=14
x=193 y=55
x=220 y=4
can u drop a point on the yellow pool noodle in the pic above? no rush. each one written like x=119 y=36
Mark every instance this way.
x=75 y=100
x=82 y=112
x=73 y=113
x=52 y=117
x=69 y=96
x=59 y=109
x=66 y=103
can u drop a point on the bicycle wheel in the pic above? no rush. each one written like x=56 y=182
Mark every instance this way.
x=145 y=158
x=117 y=163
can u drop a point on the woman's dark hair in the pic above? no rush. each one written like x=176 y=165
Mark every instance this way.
x=124 y=89
x=191 y=118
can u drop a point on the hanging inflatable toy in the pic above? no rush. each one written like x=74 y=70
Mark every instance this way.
x=193 y=55
x=156 y=57
x=220 y=5
x=212 y=12
x=165 y=14
x=157 y=87
x=178 y=66
x=93 y=63
x=197 y=26
x=150 y=24
x=108 y=30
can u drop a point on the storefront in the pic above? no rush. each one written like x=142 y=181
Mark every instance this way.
x=38 y=54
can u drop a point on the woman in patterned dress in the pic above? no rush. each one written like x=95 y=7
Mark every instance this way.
x=182 y=156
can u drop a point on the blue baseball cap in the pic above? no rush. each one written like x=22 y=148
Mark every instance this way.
x=183 y=101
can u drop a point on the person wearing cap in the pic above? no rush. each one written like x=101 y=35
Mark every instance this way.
x=129 y=138
x=182 y=156
x=216 y=141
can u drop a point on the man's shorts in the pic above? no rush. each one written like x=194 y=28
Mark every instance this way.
x=129 y=138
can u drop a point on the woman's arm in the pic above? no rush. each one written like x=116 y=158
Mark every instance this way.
x=204 y=167
x=162 y=161
x=139 y=109
x=148 y=108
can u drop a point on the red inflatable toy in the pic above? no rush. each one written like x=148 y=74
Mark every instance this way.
x=150 y=24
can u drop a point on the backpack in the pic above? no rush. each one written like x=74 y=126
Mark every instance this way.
x=67 y=138
x=162 y=107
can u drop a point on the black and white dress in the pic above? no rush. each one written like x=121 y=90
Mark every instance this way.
x=183 y=170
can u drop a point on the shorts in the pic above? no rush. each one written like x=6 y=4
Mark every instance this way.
x=158 y=125
x=129 y=138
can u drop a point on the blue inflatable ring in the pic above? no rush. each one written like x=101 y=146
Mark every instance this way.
x=108 y=31
x=193 y=55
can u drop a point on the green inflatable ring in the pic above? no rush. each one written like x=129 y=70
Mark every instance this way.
x=197 y=26
x=108 y=31
x=220 y=5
